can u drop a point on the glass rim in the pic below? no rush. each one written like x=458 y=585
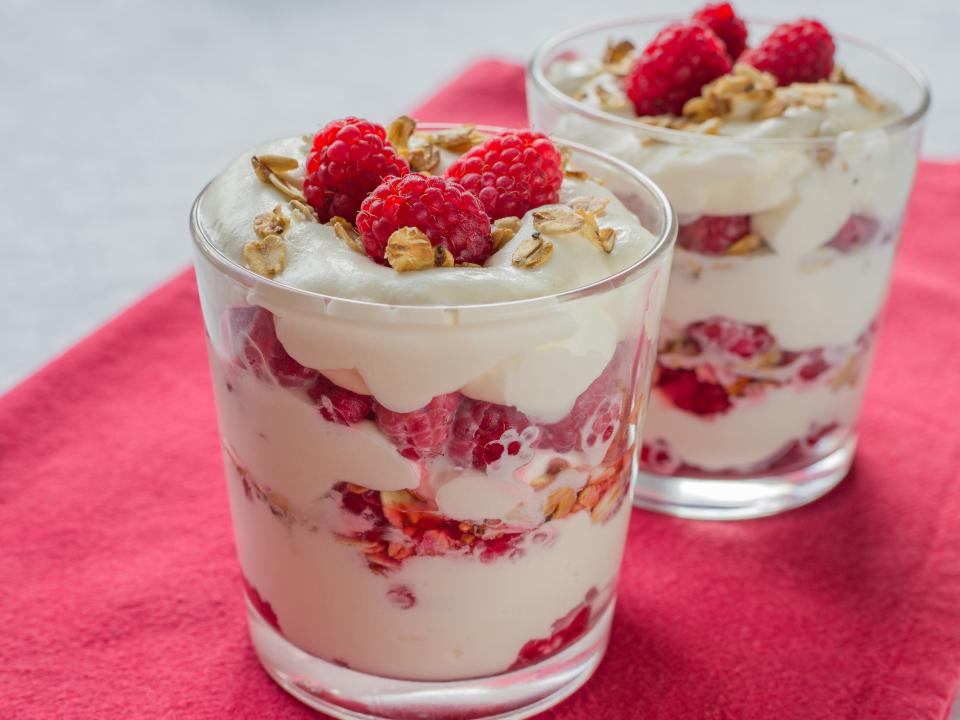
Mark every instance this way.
x=663 y=244
x=536 y=75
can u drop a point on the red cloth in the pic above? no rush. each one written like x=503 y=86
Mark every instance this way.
x=120 y=596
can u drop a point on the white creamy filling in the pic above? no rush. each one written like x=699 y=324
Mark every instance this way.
x=470 y=618
x=538 y=360
x=829 y=302
x=753 y=432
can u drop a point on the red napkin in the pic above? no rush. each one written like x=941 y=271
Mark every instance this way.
x=121 y=598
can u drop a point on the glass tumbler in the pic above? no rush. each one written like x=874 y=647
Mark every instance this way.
x=478 y=582
x=765 y=347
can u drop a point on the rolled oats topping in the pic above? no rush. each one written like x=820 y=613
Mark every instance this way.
x=409 y=249
x=532 y=252
x=266 y=256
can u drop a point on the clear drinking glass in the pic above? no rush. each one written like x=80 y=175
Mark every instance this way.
x=380 y=585
x=763 y=355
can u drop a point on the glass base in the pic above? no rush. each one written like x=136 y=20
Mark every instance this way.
x=352 y=695
x=743 y=497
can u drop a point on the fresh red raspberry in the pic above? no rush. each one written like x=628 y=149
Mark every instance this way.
x=595 y=417
x=262 y=607
x=713 y=234
x=723 y=335
x=565 y=632
x=349 y=158
x=422 y=433
x=441 y=208
x=255 y=345
x=673 y=68
x=726 y=25
x=511 y=173
x=338 y=404
x=483 y=432
x=688 y=392
x=800 y=51
x=857 y=231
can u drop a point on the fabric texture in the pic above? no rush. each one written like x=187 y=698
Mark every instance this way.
x=120 y=597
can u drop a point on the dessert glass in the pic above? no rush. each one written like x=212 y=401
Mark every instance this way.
x=764 y=355
x=385 y=586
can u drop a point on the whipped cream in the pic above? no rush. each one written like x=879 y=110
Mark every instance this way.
x=319 y=261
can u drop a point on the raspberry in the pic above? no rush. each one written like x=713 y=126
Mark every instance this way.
x=441 y=208
x=483 y=432
x=689 y=393
x=338 y=404
x=713 y=234
x=726 y=25
x=857 y=231
x=800 y=51
x=349 y=158
x=260 y=605
x=594 y=418
x=673 y=68
x=565 y=632
x=729 y=336
x=422 y=433
x=255 y=345
x=511 y=173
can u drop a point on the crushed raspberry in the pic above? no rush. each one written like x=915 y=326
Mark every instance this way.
x=813 y=367
x=484 y=432
x=690 y=393
x=348 y=159
x=713 y=234
x=402 y=596
x=656 y=456
x=565 y=631
x=718 y=334
x=447 y=213
x=260 y=605
x=800 y=51
x=726 y=25
x=680 y=60
x=422 y=433
x=255 y=345
x=594 y=419
x=857 y=231
x=338 y=404
x=511 y=173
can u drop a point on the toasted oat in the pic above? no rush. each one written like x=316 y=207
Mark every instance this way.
x=588 y=203
x=279 y=163
x=609 y=99
x=849 y=374
x=589 y=228
x=423 y=158
x=266 y=256
x=575 y=174
x=303 y=212
x=503 y=230
x=469 y=265
x=271 y=177
x=410 y=249
x=608 y=239
x=273 y=222
x=400 y=131
x=605 y=506
x=744 y=86
x=442 y=257
x=824 y=155
x=533 y=252
x=345 y=230
x=746 y=245
x=618 y=57
x=556 y=220
x=864 y=97
x=559 y=503
x=458 y=139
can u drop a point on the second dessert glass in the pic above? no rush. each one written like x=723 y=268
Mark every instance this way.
x=479 y=583
x=765 y=348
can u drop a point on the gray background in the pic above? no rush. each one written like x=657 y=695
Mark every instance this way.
x=114 y=114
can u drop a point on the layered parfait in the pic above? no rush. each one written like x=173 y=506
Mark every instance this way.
x=428 y=445
x=790 y=194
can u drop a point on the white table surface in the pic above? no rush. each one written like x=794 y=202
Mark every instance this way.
x=114 y=114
